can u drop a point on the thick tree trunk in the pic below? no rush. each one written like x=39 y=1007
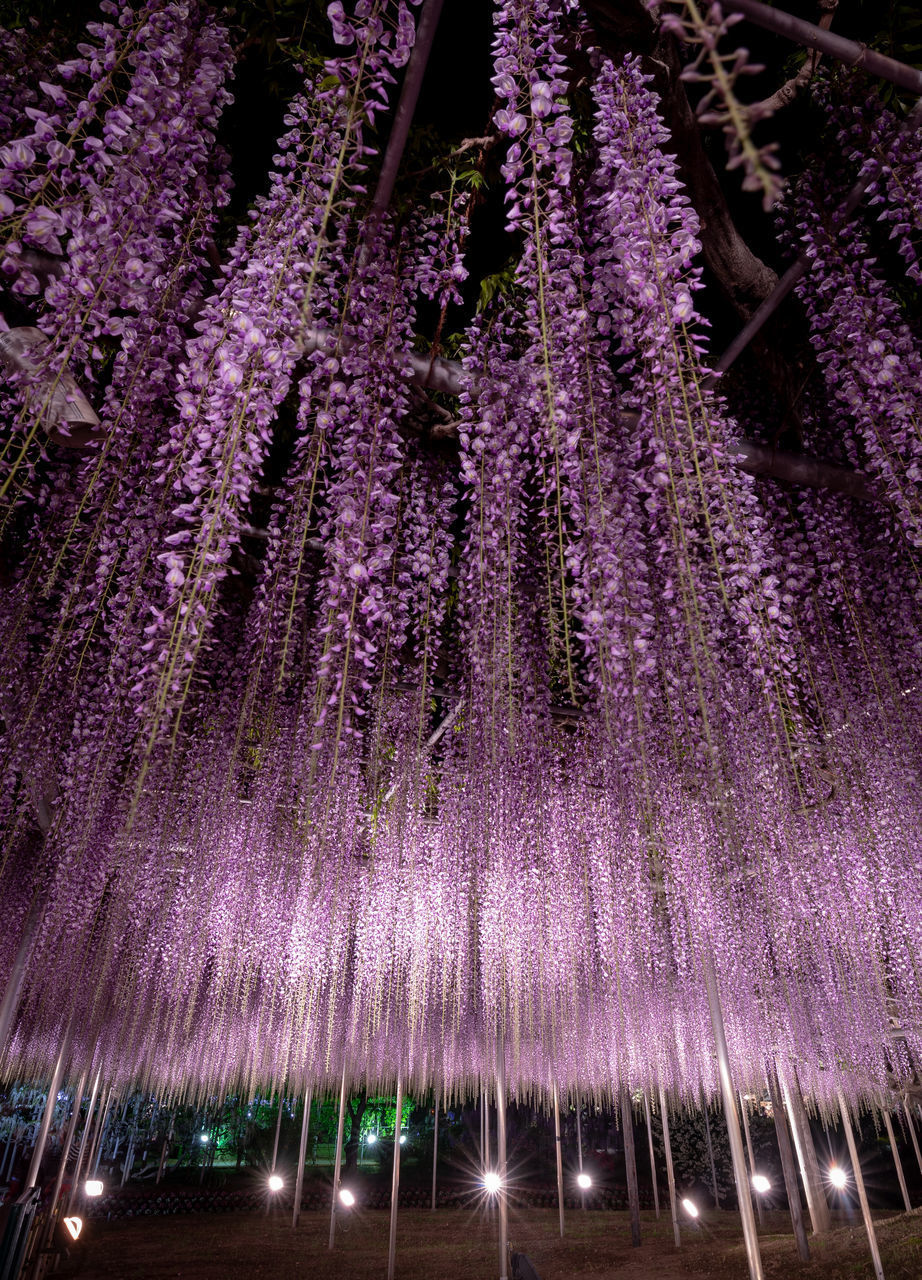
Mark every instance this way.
x=356 y=1111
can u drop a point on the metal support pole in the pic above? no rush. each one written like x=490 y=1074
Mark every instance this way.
x=395 y=1183
x=912 y=1133
x=752 y=1159
x=710 y=1147
x=47 y=1115
x=901 y=1177
x=788 y=1167
x=806 y=1158
x=502 y=1168
x=278 y=1130
x=338 y=1162
x=646 y=1108
x=728 y=1094
x=859 y=1187
x=630 y=1165
x=10 y=1002
x=559 y=1157
x=435 y=1148
x=65 y=1152
x=100 y=1134
x=486 y=1130
x=88 y=1125
x=302 y=1155
x=670 y=1170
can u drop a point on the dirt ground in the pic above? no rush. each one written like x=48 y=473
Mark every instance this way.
x=452 y=1244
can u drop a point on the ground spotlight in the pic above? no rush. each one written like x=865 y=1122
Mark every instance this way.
x=760 y=1183
x=492 y=1182
x=403 y=1138
x=838 y=1177
x=203 y=1137
x=690 y=1208
x=74 y=1227
x=372 y=1139
x=583 y=1181
x=93 y=1187
x=346 y=1197
x=275 y=1182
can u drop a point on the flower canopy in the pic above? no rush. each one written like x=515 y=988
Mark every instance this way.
x=335 y=742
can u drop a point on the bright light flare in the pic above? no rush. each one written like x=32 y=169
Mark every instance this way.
x=690 y=1208
x=403 y=1138
x=760 y=1183
x=583 y=1181
x=94 y=1187
x=838 y=1177
x=203 y=1137
x=275 y=1182
x=74 y=1227
x=372 y=1139
x=492 y=1182
x=346 y=1197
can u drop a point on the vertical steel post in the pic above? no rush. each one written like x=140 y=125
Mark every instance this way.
x=338 y=1161
x=395 y=1183
x=806 y=1157
x=65 y=1152
x=502 y=1168
x=630 y=1164
x=912 y=1133
x=710 y=1147
x=901 y=1177
x=728 y=1094
x=486 y=1130
x=860 y=1188
x=788 y=1166
x=646 y=1107
x=47 y=1115
x=670 y=1169
x=749 y=1152
x=559 y=1155
x=302 y=1155
x=435 y=1147
x=88 y=1125
x=100 y=1134
x=278 y=1130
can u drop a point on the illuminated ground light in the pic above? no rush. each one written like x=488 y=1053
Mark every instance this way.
x=403 y=1138
x=94 y=1187
x=492 y=1182
x=203 y=1137
x=275 y=1182
x=372 y=1139
x=838 y=1177
x=74 y=1227
x=583 y=1181
x=760 y=1183
x=346 y=1197
x=690 y=1208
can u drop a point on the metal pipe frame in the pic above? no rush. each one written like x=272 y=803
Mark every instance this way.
x=860 y=1187
x=338 y=1162
x=302 y=1155
x=728 y=1094
x=558 y=1154
x=395 y=1183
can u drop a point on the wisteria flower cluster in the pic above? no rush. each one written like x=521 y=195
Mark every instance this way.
x=349 y=746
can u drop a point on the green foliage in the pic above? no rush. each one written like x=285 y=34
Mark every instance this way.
x=500 y=285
